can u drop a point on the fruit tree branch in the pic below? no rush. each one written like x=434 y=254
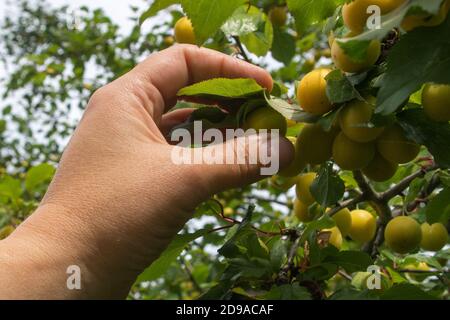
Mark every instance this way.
x=403 y=184
x=345 y=204
x=366 y=188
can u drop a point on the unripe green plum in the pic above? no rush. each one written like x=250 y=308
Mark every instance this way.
x=436 y=102
x=266 y=118
x=351 y=155
x=394 y=146
x=355 y=118
x=402 y=234
x=315 y=144
x=302 y=211
x=434 y=237
x=302 y=189
x=298 y=163
x=380 y=169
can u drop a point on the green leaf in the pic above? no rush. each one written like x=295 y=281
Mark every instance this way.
x=38 y=175
x=288 y=292
x=434 y=135
x=323 y=222
x=178 y=244
x=248 y=268
x=291 y=111
x=413 y=62
x=351 y=261
x=327 y=188
x=308 y=13
x=10 y=188
x=157 y=6
x=339 y=87
x=405 y=291
x=260 y=41
x=278 y=254
x=283 y=48
x=208 y=16
x=438 y=209
x=230 y=248
x=350 y=294
x=224 y=89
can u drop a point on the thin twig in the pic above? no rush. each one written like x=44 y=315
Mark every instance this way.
x=346 y=204
x=188 y=271
x=241 y=49
x=403 y=184
x=258 y=198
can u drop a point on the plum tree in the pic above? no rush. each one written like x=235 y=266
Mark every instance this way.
x=380 y=169
x=363 y=227
x=355 y=13
x=315 y=144
x=394 y=146
x=436 y=101
x=434 y=237
x=266 y=118
x=311 y=92
x=335 y=237
x=347 y=64
x=278 y=15
x=402 y=234
x=354 y=120
x=297 y=164
x=351 y=155
x=343 y=220
x=302 y=212
x=302 y=189
x=184 y=32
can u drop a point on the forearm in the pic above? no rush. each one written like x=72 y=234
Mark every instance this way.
x=35 y=260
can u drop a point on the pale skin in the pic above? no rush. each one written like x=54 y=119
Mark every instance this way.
x=117 y=199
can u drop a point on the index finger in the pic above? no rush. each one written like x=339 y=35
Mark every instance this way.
x=181 y=65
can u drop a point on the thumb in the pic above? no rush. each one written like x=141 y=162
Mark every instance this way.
x=244 y=160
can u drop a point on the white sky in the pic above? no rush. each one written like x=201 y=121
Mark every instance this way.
x=118 y=10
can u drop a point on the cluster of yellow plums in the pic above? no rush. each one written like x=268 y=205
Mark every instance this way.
x=403 y=234
x=355 y=18
x=352 y=142
x=360 y=225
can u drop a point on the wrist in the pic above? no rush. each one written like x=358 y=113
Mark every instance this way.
x=51 y=246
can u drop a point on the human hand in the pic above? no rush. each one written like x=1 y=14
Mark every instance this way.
x=117 y=198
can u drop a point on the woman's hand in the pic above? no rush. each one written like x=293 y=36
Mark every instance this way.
x=117 y=198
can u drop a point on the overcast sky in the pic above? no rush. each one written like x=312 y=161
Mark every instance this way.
x=118 y=10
